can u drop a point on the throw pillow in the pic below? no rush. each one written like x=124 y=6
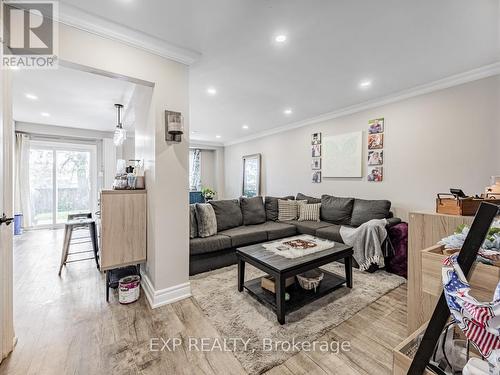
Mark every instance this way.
x=336 y=210
x=302 y=197
x=207 y=222
x=309 y=212
x=228 y=214
x=193 y=224
x=271 y=205
x=253 y=210
x=366 y=210
x=287 y=209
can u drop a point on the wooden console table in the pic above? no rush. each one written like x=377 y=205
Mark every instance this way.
x=123 y=228
x=425 y=230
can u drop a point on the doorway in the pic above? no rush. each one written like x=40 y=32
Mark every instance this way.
x=63 y=180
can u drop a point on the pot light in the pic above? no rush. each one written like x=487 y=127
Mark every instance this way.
x=365 y=84
x=45 y=114
x=280 y=38
x=288 y=111
x=211 y=91
x=217 y=136
x=31 y=96
x=244 y=127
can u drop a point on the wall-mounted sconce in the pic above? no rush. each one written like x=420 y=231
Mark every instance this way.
x=174 y=126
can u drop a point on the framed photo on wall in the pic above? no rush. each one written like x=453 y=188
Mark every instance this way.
x=316 y=151
x=375 y=141
x=316 y=163
x=316 y=177
x=376 y=126
x=376 y=157
x=316 y=139
x=376 y=174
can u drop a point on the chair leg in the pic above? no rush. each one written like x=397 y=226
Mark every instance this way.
x=65 y=248
x=93 y=237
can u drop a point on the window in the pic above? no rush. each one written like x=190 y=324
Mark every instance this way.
x=195 y=170
x=62 y=181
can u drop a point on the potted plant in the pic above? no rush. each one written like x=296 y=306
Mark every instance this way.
x=208 y=193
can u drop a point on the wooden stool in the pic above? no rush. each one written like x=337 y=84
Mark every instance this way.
x=75 y=223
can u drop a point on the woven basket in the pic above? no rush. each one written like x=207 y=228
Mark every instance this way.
x=310 y=279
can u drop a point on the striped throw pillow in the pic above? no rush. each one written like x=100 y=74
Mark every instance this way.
x=309 y=212
x=288 y=209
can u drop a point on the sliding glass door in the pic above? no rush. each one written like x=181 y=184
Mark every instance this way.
x=62 y=181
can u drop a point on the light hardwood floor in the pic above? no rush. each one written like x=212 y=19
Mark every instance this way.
x=65 y=326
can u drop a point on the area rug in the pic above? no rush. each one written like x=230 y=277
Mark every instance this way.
x=239 y=316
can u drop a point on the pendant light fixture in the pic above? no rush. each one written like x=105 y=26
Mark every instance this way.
x=120 y=133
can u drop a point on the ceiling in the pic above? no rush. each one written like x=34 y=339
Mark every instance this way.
x=331 y=47
x=70 y=97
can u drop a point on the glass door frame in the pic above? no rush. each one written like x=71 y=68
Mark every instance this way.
x=64 y=145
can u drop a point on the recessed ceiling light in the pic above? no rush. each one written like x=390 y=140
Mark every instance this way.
x=211 y=91
x=245 y=127
x=45 y=114
x=217 y=136
x=288 y=111
x=365 y=84
x=280 y=38
x=31 y=96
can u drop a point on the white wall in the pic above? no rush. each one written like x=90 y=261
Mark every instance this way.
x=449 y=138
x=166 y=165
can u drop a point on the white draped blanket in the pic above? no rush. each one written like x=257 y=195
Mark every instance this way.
x=366 y=241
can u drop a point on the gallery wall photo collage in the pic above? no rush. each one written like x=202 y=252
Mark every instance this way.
x=376 y=150
x=316 y=157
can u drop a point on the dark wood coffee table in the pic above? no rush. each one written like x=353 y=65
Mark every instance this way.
x=281 y=268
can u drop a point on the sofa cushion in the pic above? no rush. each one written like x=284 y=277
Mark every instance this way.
x=277 y=230
x=336 y=210
x=366 y=210
x=302 y=197
x=331 y=233
x=193 y=223
x=207 y=223
x=246 y=235
x=253 y=210
x=308 y=227
x=209 y=244
x=287 y=210
x=309 y=212
x=228 y=214
x=271 y=205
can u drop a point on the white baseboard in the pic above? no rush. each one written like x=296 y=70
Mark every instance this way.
x=157 y=298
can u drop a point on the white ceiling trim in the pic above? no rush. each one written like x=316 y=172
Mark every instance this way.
x=455 y=80
x=193 y=143
x=75 y=17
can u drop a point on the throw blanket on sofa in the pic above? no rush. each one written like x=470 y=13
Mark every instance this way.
x=366 y=241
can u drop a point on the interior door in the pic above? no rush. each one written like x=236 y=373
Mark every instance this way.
x=6 y=207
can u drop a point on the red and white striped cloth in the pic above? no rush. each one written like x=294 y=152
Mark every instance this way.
x=480 y=321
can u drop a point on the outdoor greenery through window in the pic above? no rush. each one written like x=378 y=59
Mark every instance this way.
x=195 y=170
x=61 y=181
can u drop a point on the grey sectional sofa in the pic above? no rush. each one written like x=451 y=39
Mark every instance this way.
x=249 y=221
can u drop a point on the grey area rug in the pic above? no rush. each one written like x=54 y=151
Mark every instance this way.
x=239 y=315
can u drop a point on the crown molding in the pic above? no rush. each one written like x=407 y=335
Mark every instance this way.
x=193 y=143
x=80 y=19
x=454 y=80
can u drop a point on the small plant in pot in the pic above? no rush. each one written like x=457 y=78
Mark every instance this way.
x=208 y=193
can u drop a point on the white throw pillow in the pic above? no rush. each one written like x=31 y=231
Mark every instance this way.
x=309 y=212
